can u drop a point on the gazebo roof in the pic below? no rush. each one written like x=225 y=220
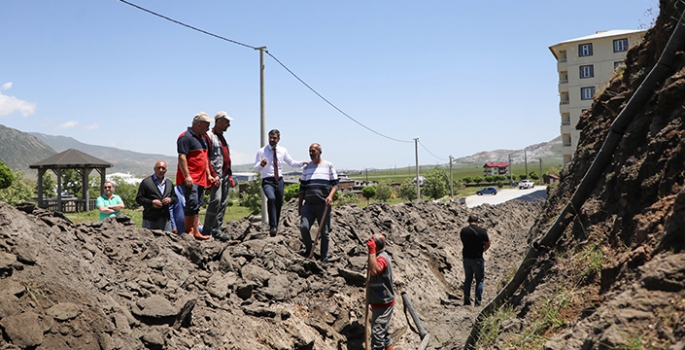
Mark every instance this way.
x=71 y=158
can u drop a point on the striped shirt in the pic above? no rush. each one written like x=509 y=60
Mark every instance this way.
x=317 y=181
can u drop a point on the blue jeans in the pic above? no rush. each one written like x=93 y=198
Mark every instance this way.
x=273 y=190
x=474 y=267
x=310 y=213
x=159 y=224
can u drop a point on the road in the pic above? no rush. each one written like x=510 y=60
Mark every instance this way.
x=505 y=194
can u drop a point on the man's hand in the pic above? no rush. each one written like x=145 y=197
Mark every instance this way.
x=157 y=203
x=188 y=181
x=231 y=181
x=372 y=245
x=166 y=201
x=329 y=201
x=263 y=163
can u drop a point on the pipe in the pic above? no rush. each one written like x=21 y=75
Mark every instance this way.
x=661 y=70
x=414 y=315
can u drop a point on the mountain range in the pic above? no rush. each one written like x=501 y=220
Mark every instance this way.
x=19 y=149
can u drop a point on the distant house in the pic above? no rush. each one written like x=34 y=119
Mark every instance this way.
x=126 y=177
x=492 y=169
x=550 y=179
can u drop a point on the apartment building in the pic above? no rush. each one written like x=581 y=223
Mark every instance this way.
x=585 y=65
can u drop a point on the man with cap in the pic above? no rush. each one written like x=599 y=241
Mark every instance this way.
x=380 y=293
x=193 y=171
x=220 y=168
x=269 y=163
x=475 y=242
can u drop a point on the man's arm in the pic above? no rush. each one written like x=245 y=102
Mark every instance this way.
x=141 y=196
x=293 y=163
x=375 y=267
x=120 y=205
x=183 y=165
x=329 y=199
x=259 y=161
x=487 y=245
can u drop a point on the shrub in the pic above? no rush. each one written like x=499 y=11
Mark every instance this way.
x=6 y=176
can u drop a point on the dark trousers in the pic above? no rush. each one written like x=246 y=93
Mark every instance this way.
x=273 y=190
x=474 y=268
x=194 y=197
x=218 y=201
x=312 y=213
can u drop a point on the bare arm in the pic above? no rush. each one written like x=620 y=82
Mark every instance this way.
x=374 y=268
x=183 y=164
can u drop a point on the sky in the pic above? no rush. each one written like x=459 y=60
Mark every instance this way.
x=362 y=78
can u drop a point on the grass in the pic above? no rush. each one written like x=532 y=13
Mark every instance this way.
x=491 y=326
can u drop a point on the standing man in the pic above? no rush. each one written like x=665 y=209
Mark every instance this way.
x=380 y=293
x=193 y=171
x=156 y=193
x=269 y=163
x=475 y=242
x=318 y=185
x=220 y=167
x=109 y=204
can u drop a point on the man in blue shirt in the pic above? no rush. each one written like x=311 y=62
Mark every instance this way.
x=109 y=204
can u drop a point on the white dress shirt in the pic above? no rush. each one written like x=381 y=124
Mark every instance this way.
x=268 y=153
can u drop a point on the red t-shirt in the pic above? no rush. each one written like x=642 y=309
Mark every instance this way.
x=195 y=149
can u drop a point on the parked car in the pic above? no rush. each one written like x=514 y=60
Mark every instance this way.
x=526 y=184
x=487 y=190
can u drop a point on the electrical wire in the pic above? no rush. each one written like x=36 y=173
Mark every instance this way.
x=284 y=67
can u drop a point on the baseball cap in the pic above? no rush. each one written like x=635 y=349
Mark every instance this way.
x=222 y=114
x=202 y=117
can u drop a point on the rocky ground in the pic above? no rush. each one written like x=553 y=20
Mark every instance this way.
x=110 y=285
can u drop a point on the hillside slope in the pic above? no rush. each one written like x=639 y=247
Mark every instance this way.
x=615 y=278
x=18 y=150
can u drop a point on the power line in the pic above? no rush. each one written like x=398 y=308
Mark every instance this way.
x=272 y=56
x=431 y=153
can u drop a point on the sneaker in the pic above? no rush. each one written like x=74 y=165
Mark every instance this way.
x=221 y=237
x=324 y=264
x=273 y=231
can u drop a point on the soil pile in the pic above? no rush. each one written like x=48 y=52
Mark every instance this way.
x=110 y=285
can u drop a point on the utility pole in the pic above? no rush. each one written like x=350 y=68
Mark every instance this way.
x=451 y=179
x=511 y=180
x=525 y=158
x=541 y=169
x=418 y=181
x=262 y=120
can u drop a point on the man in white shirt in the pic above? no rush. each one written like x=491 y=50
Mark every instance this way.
x=269 y=163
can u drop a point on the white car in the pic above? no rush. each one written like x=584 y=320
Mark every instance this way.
x=524 y=184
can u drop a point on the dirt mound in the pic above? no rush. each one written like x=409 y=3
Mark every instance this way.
x=110 y=285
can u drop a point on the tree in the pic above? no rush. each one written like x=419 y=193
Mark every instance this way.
x=368 y=192
x=533 y=175
x=489 y=178
x=347 y=197
x=71 y=182
x=6 y=176
x=523 y=176
x=291 y=191
x=384 y=191
x=49 y=185
x=437 y=183
x=408 y=190
x=467 y=180
x=499 y=177
x=477 y=179
x=20 y=190
x=252 y=197
x=127 y=192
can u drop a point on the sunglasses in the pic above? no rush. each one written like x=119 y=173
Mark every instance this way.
x=108 y=186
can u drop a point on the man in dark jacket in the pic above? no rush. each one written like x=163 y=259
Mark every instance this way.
x=381 y=294
x=475 y=242
x=155 y=194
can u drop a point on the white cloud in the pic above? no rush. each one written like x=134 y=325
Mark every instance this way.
x=92 y=127
x=11 y=104
x=67 y=125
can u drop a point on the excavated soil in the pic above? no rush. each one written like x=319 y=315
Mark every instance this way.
x=111 y=285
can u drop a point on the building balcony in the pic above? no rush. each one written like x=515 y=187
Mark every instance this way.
x=564 y=102
x=565 y=128
x=563 y=81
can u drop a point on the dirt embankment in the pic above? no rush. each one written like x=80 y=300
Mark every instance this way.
x=616 y=277
x=110 y=285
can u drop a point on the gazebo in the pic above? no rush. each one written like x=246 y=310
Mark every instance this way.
x=70 y=159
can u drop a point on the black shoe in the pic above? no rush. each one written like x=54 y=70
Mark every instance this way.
x=273 y=231
x=221 y=237
x=477 y=303
x=304 y=254
x=467 y=302
x=324 y=264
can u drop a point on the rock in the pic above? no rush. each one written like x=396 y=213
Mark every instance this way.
x=64 y=311
x=23 y=330
x=256 y=274
x=26 y=254
x=7 y=263
x=155 y=306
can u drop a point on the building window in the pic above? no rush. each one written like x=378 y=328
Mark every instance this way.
x=587 y=93
x=620 y=45
x=585 y=50
x=587 y=71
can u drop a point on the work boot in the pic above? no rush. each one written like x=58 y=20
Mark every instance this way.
x=196 y=231
x=188 y=222
x=220 y=236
